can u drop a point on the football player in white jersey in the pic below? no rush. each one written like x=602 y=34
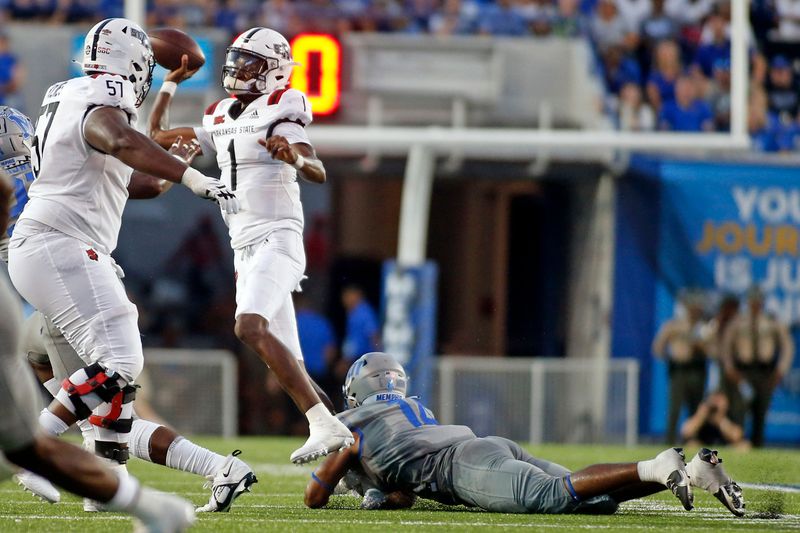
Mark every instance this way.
x=84 y=153
x=58 y=461
x=47 y=349
x=267 y=235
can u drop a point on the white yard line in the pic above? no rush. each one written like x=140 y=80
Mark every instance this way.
x=790 y=489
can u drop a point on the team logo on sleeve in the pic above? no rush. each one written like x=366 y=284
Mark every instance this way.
x=92 y=254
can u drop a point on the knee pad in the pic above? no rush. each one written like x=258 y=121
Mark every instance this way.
x=112 y=451
x=117 y=416
x=93 y=384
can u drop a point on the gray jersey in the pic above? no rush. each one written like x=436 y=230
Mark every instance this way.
x=402 y=445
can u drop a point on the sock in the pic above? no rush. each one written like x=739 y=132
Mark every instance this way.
x=139 y=442
x=87 y=432
x=187 y=456
x=126 y=495
x=657 y=469
x=53 y=386
x=51 y=423
x=317 y=414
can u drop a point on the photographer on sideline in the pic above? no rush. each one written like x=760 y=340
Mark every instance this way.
x=710 y=425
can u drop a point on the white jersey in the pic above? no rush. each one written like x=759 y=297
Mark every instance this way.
x=79 y=190
x=267 y=188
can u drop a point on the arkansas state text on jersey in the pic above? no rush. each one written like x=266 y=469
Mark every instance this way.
x=267 y=188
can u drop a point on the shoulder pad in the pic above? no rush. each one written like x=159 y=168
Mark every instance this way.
x=275 y=97
x=210 y=109
x=111 y=91
x=294 y=105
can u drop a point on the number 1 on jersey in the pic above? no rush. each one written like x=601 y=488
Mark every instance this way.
x=232 y=154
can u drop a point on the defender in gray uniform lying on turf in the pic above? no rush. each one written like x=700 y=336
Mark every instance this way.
x=401 y=452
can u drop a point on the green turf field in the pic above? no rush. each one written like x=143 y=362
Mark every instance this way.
x=276 y=502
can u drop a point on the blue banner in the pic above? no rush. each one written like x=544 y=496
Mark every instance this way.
x=719 y=227
x=206 y=78
x=409 y=321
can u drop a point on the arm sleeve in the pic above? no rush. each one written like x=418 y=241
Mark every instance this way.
x=205 y=140
x=294 y=133
x=294 y=114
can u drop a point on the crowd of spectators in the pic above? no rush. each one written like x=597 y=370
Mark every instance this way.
x=666 y=63
x=666 y=66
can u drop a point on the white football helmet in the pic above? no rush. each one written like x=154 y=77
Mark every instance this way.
x=120 y=46
x=374 y=377
x=259 y=61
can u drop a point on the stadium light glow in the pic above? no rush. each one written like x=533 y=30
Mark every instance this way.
x=318 y=73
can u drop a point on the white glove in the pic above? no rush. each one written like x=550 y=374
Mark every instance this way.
x=212 y=189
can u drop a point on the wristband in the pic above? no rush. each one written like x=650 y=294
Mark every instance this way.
x=168 y=87
x=299 y=162
x=195 y=180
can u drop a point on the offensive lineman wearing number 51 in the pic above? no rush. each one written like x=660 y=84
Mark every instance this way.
x=86 y=151
x=267 y=235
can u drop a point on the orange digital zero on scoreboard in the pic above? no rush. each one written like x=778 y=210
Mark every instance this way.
x=318 y=73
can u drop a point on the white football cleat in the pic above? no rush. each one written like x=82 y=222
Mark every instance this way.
x=230 y=481
x=159 y=512
x=678 y=479
x=325 y=437
x=38 y=486
x=706 y=472
x=121 y=470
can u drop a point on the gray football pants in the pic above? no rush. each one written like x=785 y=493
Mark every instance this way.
x=496 y=474
x=19 y=395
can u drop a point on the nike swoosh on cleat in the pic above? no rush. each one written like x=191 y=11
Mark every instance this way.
x=228 y=473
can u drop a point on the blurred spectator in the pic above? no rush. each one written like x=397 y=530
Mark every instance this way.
x=634 y=114
x=689 y=12
x=710 y=425
x=658 y=26
x=789 y=16
x=535 y=10
x=500 y=18
x=718 y=94
x=165 y=13
x=11 y=73
x=317 y=342
x=568 y=21
x=718 y=49
x=682 y=342
x=667 y=68
x=318 y=245
x=620 y=69
x=782 y=90
x=274 y=14
x=453 y=19
x=609 y=29
x=362 y=334
x=634 y=11
x=31 y=9
x=420 y=12
x=766 y=131
x=688 y=112
x=70 y=11
x=757 y=353
x=229 y=18
x=198 y=264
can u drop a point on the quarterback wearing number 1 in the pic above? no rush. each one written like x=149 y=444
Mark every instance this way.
x=259 y=138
